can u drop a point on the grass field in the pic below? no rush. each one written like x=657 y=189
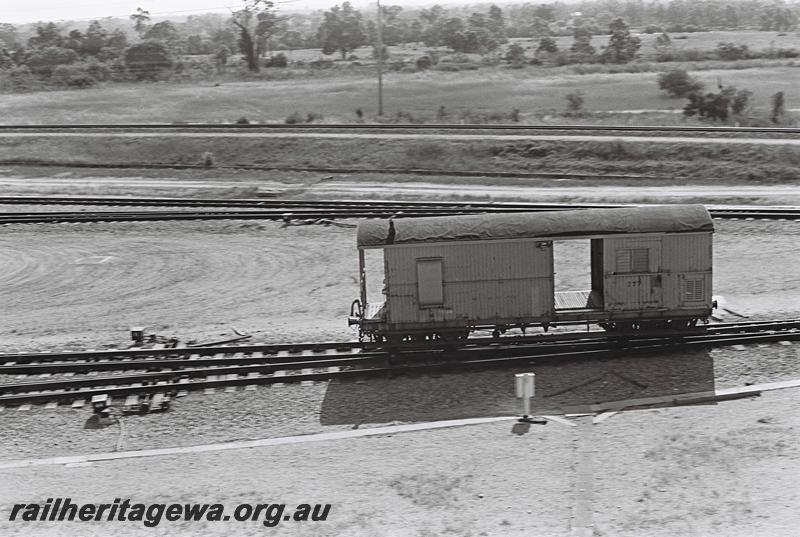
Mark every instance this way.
x=717 y=163
x=489 y=90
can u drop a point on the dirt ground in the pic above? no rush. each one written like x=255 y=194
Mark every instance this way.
x=727 y=470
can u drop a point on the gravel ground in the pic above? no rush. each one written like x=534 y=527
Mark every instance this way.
x=727 y=470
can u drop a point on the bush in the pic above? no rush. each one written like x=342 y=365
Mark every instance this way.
x=196 y=68
x=43 y=61
x=653 y=29
x=678 y=83
x=278 y=60
x=458 y=57
x=20 y=79
x=294 y=118
x=99 y=71
x=148 y=60
x=424 y=62
x=75 y=76
x=740 y=101
x=515 y=54
x=779 y=53
x=731 y=51
x=574 y=103
x=321 y=64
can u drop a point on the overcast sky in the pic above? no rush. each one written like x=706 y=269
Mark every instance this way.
x=54 y=10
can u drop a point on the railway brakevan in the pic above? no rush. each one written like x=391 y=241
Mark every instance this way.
x=651 y=268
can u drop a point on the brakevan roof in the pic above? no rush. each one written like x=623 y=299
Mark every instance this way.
x=478 y=227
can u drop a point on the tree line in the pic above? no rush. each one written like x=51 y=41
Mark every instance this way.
x=144 y=48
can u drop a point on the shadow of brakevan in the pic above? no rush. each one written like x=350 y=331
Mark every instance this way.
x=562 y=387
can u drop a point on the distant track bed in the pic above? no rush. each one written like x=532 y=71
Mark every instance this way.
x=496 y=129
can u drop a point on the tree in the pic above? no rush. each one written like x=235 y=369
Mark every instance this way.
x=95 y=39
x=777 y=17
x=622 y=46
x=547 y=45
x=8 y=36
x=147 y=60
x=221 y=58
x=539 y=27
x=432 y=16
x=292 y=39
x=118 y=40
x=678 y=83
x=582 y=48
x=496 y=24
x=431 y=24
x=394 y=29
x=663 y=46
x=166 y=33
x=74 y=41
x=141 y=20
x=341 y=30
x=47 y=35
x=257 y=22
x=717 y=106
x=224 y=37
x=546 y=12
x=453 y=34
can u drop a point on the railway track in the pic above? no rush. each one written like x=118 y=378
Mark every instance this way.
x=310 y=209
x=133 y=374
x=393 y=127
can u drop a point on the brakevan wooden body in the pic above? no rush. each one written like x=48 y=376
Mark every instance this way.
x=651 y=267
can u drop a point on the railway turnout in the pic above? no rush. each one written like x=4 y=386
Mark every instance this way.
x=75 y=377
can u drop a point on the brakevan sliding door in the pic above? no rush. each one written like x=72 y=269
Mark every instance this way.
x=633 y=278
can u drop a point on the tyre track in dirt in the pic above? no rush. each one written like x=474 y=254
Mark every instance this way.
x=102 y=279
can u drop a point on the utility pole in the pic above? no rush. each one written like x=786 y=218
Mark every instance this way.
x=380 y=61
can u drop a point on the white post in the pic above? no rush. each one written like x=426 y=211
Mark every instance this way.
x=525 y=390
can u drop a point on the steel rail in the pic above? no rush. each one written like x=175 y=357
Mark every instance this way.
x=353 y=210
x=181 y=362
x=165 y=381
x=515 y=127
x=322 y=348
x=343 y=204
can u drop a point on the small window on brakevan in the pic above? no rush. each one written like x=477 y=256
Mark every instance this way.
x=631 y=260
x=430 y=289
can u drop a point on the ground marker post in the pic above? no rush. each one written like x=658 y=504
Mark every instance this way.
x=525 y=390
